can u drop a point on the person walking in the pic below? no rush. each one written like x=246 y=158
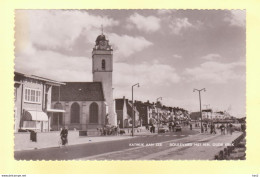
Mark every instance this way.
x=116 y=130
x=170 y=127
x=64 y=136
x=211 y=128
x=153 y=128
x=222 y=128
x=214 y=129
x=230 y=129
x=205 y=128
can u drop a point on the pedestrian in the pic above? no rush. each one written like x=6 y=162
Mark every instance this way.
x=170 y=127
x=116 y=129
x=173 y=127
x=206 y=127
x=222 y=128
x=214 y=128
x=190 y=126
x=64 y=136
x=153 y=128
x=230 y=129
x=211 y=128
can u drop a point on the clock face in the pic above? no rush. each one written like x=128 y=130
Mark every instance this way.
x=103 y=44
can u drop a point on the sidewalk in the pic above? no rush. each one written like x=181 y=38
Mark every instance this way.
x=50 y=139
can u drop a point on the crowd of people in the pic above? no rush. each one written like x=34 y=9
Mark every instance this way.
x=109 y=130
x=225 y=128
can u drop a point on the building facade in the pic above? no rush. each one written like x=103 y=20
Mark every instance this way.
x=32 y=110
x=84 y=105
x=124 y=112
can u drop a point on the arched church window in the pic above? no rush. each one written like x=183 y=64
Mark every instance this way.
x=93 y=113
x=103 y=64
x=74 y=113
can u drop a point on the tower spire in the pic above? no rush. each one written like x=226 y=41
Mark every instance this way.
x=102 y=29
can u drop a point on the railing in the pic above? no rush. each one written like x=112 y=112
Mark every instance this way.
x=225 y=154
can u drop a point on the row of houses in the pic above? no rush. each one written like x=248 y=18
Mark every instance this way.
x=146 y=113
x=210 y=114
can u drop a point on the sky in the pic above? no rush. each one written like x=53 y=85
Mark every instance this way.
x=169 y=52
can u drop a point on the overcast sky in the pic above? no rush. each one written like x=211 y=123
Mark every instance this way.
x=169 y=52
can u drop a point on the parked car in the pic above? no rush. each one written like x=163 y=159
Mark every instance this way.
x=177 y=128
x=163 y=129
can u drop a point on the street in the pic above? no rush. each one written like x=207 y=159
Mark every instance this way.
x=96 y=148
x=197 y=147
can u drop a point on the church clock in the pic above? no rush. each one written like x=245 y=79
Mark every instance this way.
x=103 y=44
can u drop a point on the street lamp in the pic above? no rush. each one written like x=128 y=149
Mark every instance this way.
x=200 y=106
x=160 y=98
x=133 y=116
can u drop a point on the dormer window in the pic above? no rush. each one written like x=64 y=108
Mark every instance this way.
x=103 y=64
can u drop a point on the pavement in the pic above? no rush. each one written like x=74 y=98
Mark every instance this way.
x=51 y=139
x=197 y=147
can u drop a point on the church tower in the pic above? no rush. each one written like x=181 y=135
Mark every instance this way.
x=102 y=69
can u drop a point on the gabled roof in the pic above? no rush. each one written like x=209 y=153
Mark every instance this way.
x=129 y=108
x=79 y=91
x=18 y=76
x=119 y=104
x=141 y=107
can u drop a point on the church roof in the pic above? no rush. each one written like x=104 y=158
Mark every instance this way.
x=79 y=91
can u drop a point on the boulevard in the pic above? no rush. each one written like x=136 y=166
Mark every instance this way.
x=187 y=144
x=95 y=148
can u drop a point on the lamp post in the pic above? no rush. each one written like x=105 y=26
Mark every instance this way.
x=160 y=98
x=133 y=116
x=200 y=106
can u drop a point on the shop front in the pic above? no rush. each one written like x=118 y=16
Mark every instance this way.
x=35 y=120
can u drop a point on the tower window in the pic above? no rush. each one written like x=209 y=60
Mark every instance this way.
x=103 y=64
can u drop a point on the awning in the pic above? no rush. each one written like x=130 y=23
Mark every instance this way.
x=55 y=110
x=35 y=115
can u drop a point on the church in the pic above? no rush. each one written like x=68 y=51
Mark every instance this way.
x=88 y=105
